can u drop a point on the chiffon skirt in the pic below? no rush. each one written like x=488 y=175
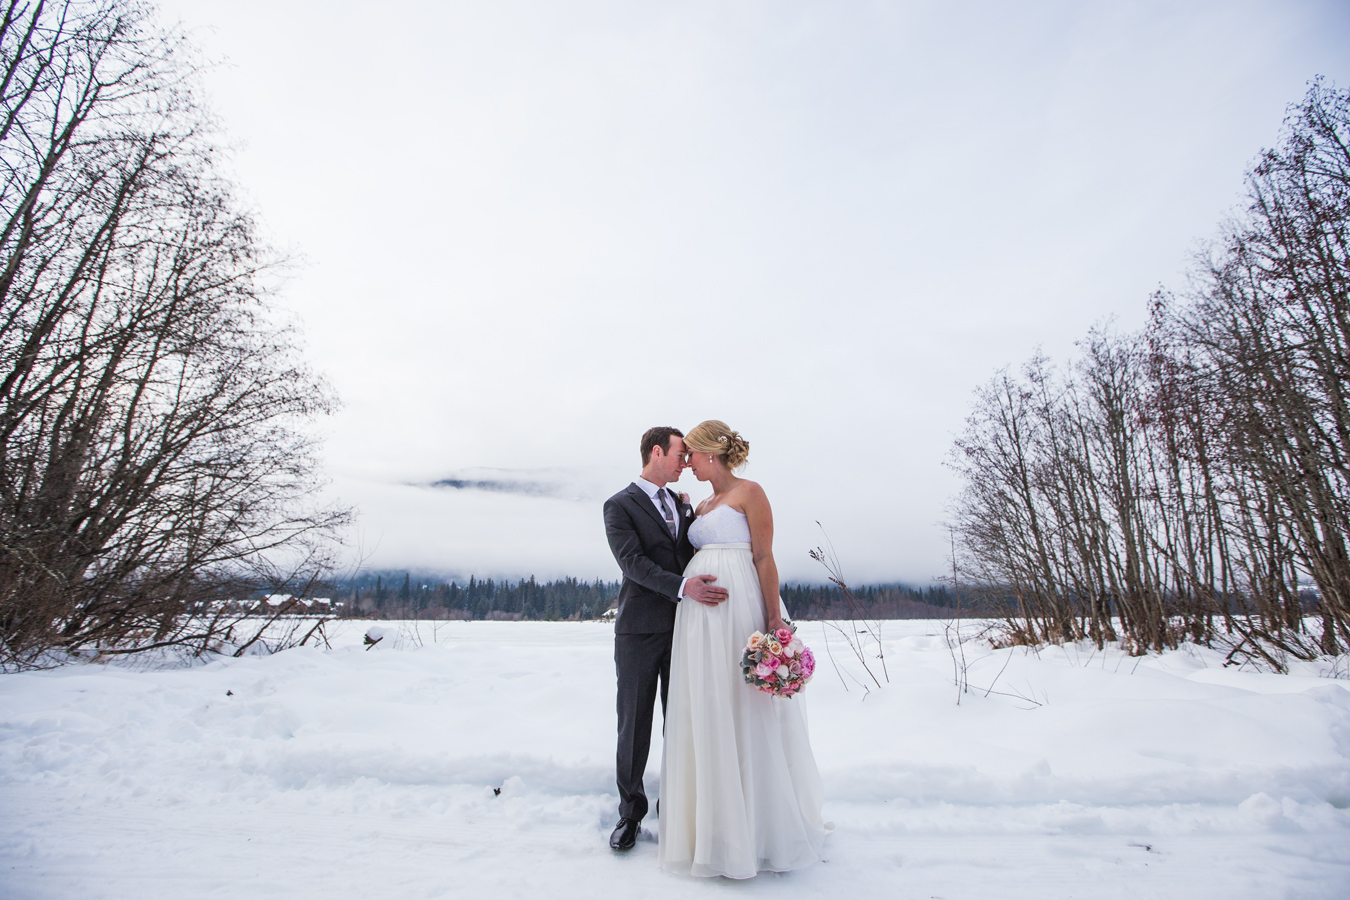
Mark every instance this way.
x=740 y=791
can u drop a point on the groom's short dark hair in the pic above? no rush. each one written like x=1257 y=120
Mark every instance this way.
x=657 y=437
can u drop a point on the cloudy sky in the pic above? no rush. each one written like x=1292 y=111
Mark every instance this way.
x=527 y=231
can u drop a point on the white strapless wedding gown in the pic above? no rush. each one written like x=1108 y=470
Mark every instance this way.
x=740 y=791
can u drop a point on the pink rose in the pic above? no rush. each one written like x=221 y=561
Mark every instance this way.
x=808 y=662
x=796 y=667
x=784 y=635
x=763 y=670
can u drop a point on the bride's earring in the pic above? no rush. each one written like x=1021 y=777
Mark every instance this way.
x=709 y=457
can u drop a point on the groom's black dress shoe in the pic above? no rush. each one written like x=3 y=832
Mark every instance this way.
x=625 y=834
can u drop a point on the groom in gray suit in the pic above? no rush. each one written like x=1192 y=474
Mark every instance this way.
x=648 y=530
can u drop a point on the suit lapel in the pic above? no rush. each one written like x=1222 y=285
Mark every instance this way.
x=640 y=497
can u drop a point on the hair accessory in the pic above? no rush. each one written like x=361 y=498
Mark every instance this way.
x=722 y=439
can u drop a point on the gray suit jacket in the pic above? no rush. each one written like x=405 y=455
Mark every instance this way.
x=651 y=560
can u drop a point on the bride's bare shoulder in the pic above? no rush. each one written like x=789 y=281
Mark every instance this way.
x=751 y=492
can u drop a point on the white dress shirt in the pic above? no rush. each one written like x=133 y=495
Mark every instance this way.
x=651 y=490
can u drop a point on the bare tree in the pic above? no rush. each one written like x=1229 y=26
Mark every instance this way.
x=154 y=454
x=1198 y=470
x=1271 y=318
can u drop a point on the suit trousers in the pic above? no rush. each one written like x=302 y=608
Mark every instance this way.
x=640 y=662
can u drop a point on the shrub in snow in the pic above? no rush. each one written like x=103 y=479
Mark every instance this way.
x=377 y=633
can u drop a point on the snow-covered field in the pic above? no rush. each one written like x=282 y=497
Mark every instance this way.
x=352 y=773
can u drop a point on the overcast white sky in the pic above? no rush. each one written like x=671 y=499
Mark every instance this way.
x=531 y=230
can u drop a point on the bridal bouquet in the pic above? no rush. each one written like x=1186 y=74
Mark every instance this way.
x=778 y=663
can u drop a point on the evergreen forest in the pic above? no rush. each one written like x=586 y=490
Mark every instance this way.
x=398 y=595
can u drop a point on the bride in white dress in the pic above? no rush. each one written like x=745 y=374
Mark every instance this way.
x=740 y=791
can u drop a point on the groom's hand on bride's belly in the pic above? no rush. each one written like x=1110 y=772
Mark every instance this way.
x=702 y=589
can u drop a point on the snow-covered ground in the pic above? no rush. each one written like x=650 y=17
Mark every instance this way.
x=352 y=773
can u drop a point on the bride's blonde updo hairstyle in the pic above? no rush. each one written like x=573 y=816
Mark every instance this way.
x=717 y=438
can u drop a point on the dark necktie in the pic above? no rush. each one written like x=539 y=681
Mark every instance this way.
x=669 y=513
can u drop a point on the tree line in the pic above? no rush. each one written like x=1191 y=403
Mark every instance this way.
x=1190 y=480
x=399 y=595
x=882 y=601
